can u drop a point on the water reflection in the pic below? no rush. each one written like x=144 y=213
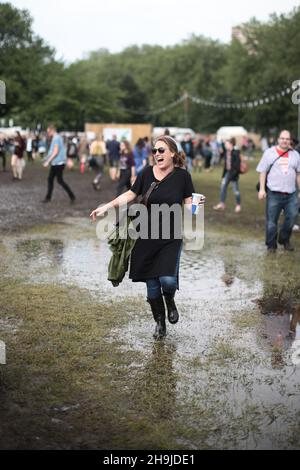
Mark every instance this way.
x=41 y=251
x=295 y=323
x=154 y=390
x=230 y=272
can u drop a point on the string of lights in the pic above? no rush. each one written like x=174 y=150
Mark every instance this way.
x=249 y=104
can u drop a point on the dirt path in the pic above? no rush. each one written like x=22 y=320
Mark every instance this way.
x=20 y=201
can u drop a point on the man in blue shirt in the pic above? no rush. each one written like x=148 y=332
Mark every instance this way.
x=56 y=158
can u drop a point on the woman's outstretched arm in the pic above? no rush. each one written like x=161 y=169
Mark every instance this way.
x=122 y=200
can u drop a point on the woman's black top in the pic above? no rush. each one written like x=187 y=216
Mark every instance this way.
x=152 y=258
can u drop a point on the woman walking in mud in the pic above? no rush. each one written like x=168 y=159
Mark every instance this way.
x=155 y=261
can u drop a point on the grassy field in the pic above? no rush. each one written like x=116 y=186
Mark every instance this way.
x=83 y=372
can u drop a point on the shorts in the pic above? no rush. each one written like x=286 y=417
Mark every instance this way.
x=113 y=162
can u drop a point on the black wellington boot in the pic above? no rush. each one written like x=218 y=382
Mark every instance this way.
x=158 y=310
x=173 y=315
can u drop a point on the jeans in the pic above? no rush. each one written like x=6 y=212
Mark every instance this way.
x=189 y=161
x=167 y=284
x=276 y=202
x=235 y=187
x=57 y=171
x=98 y=166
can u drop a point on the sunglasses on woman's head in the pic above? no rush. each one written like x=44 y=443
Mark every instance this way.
x=160 y=150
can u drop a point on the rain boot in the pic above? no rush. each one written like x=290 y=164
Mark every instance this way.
x=173 y=315
x=158 y=310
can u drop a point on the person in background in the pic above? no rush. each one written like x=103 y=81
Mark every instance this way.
x=56 y=159
x=83 y=151
x=17 y=159
x=126 y=167
x=113 y=150
x=215 y=153
x=283 y=164
x=231 y=174
x=188 y=148
x=207 y=154
x=3 y=147
x=42 y=143
x=72 y=152
x=29 y=147
x=140 y=156
x=97 y=153
x=148 y=149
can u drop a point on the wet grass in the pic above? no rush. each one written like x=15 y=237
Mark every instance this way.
x=59 y=357
x=74 y=380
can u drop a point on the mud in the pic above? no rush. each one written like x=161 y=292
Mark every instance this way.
x=84 y=371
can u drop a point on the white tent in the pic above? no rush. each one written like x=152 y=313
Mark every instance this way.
x=227 y=132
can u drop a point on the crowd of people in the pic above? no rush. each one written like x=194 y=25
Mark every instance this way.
x=139 y=169
x=126 y=161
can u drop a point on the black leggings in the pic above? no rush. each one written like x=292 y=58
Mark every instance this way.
x=57 y=171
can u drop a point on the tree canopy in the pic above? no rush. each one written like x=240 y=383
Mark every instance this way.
x=133 y=85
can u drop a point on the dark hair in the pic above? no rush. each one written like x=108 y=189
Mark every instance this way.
x=233 y=141
x=127 y=145
x=140 y=143
x=179 y=157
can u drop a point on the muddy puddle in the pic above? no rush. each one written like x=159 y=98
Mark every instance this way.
x=228 y=371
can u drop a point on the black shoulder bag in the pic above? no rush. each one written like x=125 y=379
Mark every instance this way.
x=258 y=184
x=154 y=186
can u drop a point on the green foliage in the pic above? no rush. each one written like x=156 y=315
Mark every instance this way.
x=124 y=87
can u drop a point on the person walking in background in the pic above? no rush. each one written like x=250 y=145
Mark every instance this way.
x=29 y=147
x=207 y=154
x=72 y=152
x=56 y=158
x=148 y=149
x=35 y=146
x=215 y=153
x=279 y=169
x=140 y=156
x=3 y=147
x=42 y=146
x=188 y=148
x=97 y=154
x=127 y=170
x=17 y=159
x=83 y=151
x=232 y=161
x=113 y=150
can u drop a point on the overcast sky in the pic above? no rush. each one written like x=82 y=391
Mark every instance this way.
x=74 y=28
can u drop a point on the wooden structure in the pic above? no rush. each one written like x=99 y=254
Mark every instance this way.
x=137 y=130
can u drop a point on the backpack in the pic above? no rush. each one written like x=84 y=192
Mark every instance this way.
x=244 y=165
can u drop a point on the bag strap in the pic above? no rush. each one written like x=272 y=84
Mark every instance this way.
x=154 y=185
x=287 y=151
